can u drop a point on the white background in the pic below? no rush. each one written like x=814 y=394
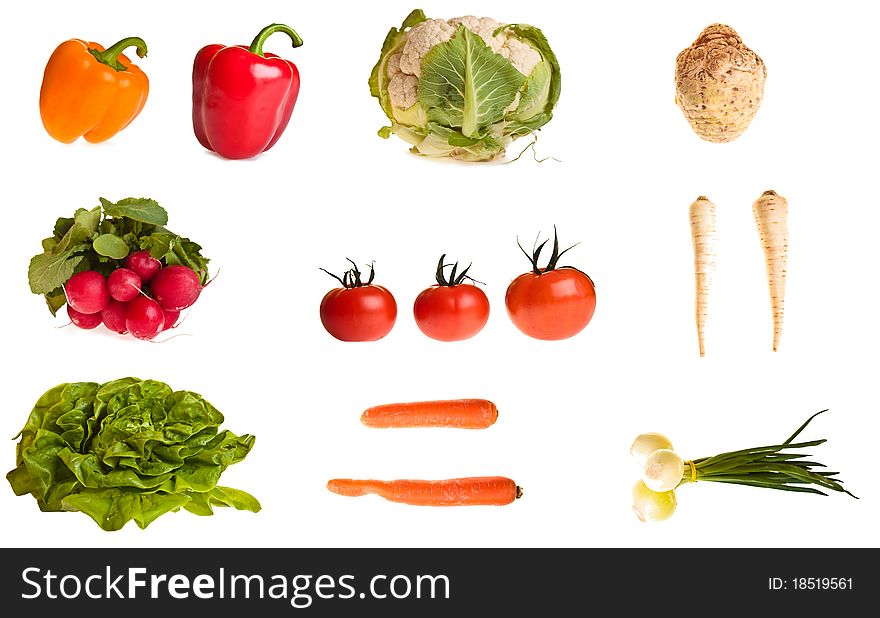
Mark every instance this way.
x=331 y=189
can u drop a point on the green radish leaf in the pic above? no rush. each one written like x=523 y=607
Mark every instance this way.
x=466 y=85
x=49 y=244
x=55 y=300
x=158 y=244
x=49 y=271
x=87 y=220
x=85 y=224
x=62 y=224
x=190 y=254
x=109 y=226
x=190 y=246
x=173 y=259
x=140 y=209
x=110 y=246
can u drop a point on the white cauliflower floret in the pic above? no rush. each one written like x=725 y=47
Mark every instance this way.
x=522 y=56
x=403 y=90
x=484 y=27
x=404 y=68
x=420 y=41
x=393 y=64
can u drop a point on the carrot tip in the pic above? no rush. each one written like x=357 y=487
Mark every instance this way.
x=349 y=487
x=519 y=491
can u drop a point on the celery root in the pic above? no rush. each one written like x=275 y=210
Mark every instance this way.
x=719 y=84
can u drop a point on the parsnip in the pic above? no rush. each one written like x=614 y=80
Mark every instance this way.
x=705 y=236
x=771 y=216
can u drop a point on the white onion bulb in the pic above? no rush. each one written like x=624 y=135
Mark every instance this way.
x=651 y=505
x=647 y=443
x=663 y=470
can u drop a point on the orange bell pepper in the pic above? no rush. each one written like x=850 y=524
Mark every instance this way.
x=91 y=92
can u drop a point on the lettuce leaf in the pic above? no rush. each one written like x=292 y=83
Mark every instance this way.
x=127 y=450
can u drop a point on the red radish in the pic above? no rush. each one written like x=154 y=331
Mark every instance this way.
x=176 y=287
x=144 y=318
x=123 y=284
x=143 y=264
x=87 y=292
x=87 y=321
x=171 y=318
x=113 y=316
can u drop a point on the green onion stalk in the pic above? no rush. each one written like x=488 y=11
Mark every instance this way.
x=773 y=467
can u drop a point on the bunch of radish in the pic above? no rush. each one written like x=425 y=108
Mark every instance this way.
x=141 y=298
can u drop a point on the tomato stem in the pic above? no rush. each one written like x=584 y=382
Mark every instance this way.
x=455 y=277
x=352 y=277
x=552 y=264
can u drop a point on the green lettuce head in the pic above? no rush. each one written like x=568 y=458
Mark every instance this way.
x=127 y=450
x=465 y=87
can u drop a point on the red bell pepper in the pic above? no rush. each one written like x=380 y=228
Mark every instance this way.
x=243 y=98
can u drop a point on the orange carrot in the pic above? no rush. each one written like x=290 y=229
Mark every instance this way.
x=481 y=490
x=771 y=215
x=459 y=413
x=705 y=236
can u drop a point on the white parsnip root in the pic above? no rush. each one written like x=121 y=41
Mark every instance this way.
x=771 y=215
x=705 y=235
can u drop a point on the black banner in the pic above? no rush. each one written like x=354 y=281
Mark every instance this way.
x=434 y=582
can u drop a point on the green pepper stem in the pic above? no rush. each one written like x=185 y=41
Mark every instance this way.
x=257 y=46
x=109 y=56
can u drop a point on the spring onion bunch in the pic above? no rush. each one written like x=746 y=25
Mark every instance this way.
x=778 y=466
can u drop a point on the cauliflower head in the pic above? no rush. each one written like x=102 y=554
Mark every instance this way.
x=464 y=87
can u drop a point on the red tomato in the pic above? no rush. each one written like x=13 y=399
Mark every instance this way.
x=551 y=303
x=358 y=311
x=451 y=310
